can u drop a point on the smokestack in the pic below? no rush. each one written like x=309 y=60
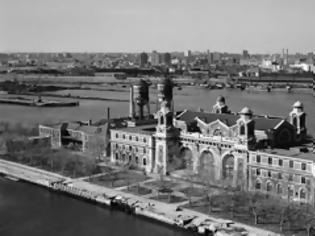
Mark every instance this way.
x=131 y=104
x=108 y=114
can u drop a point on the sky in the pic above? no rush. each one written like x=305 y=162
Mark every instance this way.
x=260 y=26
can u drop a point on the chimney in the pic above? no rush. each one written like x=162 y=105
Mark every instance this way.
x=89 y=122
x=108 y=113
x=131 y=104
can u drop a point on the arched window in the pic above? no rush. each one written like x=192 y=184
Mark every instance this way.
x=242 y=129
x=144 y=140
x=137 y=159
x=258 y=185
x=269 y=187
x=302 y=194
x=302 y=121
x=130 y=158
x=279 y=189
x=290 y=191
x=294 y=120
x=228 y=167
x=144 y=161
x=161 y=120
x=116 y=156
x=117 y=135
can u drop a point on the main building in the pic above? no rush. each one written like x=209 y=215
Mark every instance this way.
x=255 y=153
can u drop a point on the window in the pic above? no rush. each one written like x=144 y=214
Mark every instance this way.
x=258 y=185
x=136 y=149
x=279 y=176
x=258 y=172
x=123 y=147
x=130 y=137
x=130 y=158
x=116 y=156
x=290 y=177
x=290 y=191
x=144 y=140
x=303 y=194
x=258 y=158
x=269 y=187
x=303 y=181
x=137 y=159
x=242 y=129
x=280 y=162
x=124 y=136
x=269 y=174
x=123 y=157
x=279 y=189
x=303 y=166
x=144 y=161
x=117 y=136
x=130 y=148
x=137 y=139
x=291 y=164
x=270 y=160
x=144 y=150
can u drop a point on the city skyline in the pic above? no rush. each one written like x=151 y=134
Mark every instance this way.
x=123 y=26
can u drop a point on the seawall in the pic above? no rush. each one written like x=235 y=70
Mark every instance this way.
x=159 y=211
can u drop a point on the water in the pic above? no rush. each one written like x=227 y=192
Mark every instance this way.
x=274 y=103
x=29 y=210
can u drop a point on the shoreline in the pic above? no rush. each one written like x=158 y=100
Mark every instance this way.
x=132 y=204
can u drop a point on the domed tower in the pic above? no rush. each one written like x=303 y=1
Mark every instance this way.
x=166 y=137
x=141 y=98
x=246 y=127
x=298 y=120
x=220 y=106
x=165 y=93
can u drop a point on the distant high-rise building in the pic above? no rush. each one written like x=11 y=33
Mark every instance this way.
x=209 y=57
x=188 y=56
x=245 y=54
x=143 y=59
x=216 y=57
x=285 y=56
x=310 y=58
x=167 y=58
x=155 y=58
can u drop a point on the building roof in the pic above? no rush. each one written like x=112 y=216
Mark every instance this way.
x=143 y=129
x=189 y=116
x=294 y=152
x=261 y=123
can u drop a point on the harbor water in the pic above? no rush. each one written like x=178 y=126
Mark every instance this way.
x=29 y=210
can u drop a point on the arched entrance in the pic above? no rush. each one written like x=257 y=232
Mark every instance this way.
x=207 y=166
x=185 y=159
x=228 y=168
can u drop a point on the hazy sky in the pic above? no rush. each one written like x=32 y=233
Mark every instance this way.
x=163 y=25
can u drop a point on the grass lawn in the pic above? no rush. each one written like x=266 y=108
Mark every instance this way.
x=193 y=191
x=240 y=215
x=169 y=199
x=119 y=179
x=165 y=183
x=138 y=190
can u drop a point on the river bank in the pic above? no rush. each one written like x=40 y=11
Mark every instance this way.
x=137 y=205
